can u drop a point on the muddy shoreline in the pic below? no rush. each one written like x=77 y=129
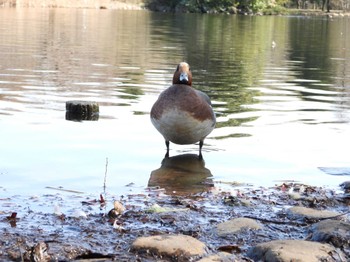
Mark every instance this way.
x=65 y=226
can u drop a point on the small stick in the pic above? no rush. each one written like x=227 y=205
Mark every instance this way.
x=105 y=179
x=65 y=190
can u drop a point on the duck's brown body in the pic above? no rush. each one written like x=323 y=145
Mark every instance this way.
x=182 y=114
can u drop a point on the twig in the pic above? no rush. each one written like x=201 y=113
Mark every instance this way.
x=64 y=190
x=105 y=179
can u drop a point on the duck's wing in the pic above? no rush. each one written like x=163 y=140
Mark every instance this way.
x=204 y=96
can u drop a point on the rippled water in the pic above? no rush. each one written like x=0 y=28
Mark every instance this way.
x=279 y=86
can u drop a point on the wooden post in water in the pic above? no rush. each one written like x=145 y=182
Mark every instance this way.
x=82 y=110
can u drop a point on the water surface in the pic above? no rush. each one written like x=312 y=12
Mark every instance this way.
x=279 y=87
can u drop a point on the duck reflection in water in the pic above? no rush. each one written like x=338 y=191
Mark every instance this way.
x=182 y=174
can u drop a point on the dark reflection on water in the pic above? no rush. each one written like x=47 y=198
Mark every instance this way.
x=182 y=174
x=279 y=86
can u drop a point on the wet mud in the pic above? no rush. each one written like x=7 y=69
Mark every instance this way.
x=66 y=226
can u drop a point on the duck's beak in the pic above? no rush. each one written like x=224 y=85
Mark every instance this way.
x=183 y=77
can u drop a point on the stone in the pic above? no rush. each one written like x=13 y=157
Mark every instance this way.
x=39 y=252
x=180 y=247
x=334 y=232
x=310 y=213
x=117 y=210
x=345 y=186
x=219 y=257
x=236 y=225
x=291 y=250
x=246 y=202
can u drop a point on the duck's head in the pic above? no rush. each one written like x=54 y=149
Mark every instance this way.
x=183 y=74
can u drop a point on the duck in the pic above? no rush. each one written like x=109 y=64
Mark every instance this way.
x=182 y=114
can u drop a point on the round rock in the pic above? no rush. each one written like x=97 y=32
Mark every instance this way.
x=235 y=225
x=291 y=250
x=310 y=213
x=179 y=246
x=334 y=232
x=345 y=186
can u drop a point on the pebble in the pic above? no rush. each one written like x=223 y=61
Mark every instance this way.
x=117 y=210
x=180 y=246
x=236 y=225
x=334 y=232
x=219 y=257
x=292 y=250
x=310 y=213
x=345 y=186
x=39 y=252
x=77 y=213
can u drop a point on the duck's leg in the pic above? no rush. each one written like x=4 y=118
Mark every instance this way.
x=167 y=148
x=200 y=149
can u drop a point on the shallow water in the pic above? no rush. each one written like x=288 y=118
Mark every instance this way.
x=279 y=87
